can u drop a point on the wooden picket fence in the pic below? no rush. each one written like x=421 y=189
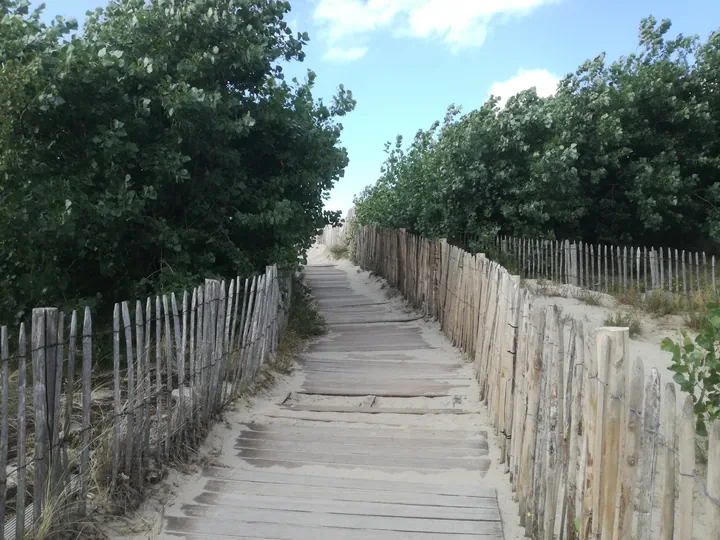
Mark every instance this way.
x=609 y=268
x=177 y=360
x=340 y=235
x=594 y=447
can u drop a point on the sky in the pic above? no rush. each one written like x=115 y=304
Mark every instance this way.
x=406 y=60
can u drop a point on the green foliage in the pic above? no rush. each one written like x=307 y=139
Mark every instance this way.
x=696 y=368
x=305 y=320
x=626 y=152
x=161 y=146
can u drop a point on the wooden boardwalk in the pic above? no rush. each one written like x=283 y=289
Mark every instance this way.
x=378 y=440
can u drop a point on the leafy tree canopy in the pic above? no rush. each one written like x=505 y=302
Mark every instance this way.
x=159 y=146
x=625 y=153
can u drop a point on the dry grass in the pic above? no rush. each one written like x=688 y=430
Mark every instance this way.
x=591 y=298
x=625 y=319
x=339 y=251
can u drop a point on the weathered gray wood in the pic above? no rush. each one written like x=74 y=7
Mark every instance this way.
x=598 y=479
x=555 y=434
x=141 y=393
x=686 y=452
x=712 y=514
x=70 y=382
x=575 y=479
x=4 y=422
x=667 y=509
x=629 y=452
x=147 y=378
x=227 y=348
x=39 y=351
x=697 y=272
x=168 y=376
x=21 y=437
x=539 y=485
x=527 y=459
x=158 y=381
x=705 y=271
x=55 y=440
x=192 y=382
x=613 y=440
x=86 y=390
x=130 y=404
x=714 y=285
x=684 y=274
x=648 y=461
x=116 y=400
x=180 y=363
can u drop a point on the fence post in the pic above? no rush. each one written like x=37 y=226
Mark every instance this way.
x=713 y=479
x=44 y=343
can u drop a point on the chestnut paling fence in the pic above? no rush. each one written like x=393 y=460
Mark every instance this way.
x=605 y=267
x=177 y=360
x=594 y=446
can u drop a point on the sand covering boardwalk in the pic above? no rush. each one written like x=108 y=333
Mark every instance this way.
x=378 y=434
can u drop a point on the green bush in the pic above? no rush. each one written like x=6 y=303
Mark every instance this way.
x=696 y=368
x=159 y=146
x=625 y=152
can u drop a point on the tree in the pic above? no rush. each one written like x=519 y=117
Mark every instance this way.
x=626 y=153
x=161 y=146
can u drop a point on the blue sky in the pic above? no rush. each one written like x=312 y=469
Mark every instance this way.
x=407 y=60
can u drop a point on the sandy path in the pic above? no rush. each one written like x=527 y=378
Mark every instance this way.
x=378 y=433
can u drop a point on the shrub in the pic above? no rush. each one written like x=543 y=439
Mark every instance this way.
x=697 y=370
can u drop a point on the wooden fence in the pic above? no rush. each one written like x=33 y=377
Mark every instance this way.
x=340 y=235
x=608 y=268
x=594 y=447
x=177 y=360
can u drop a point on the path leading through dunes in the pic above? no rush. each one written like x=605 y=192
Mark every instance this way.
x=377 y=434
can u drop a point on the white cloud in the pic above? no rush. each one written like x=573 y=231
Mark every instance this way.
x=544 y=82
x=339 y=54
x=459 y=23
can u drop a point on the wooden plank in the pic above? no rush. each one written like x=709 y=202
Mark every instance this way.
x=377 y=492
x=372 y=410
x=555 y=415
x=130 y=403
x=4 y=422
x=486 y=510
x=348 y=437
x=141 y=391
x=86 y=390
x=358 y=448
x=361 y=431
x=713 y=479
x=56 y=476
x=357 y=489
x=169 y=364
x=667 y=508
x=576 y=449
x=38 y=351
x=21 y=436
x=629 y=452
x=686 y=451
x=646 y=479
x=279 y=531
x=116 y=398
x=594 y=502
x=527 y=459
x=342 y=521
x=158 y=381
